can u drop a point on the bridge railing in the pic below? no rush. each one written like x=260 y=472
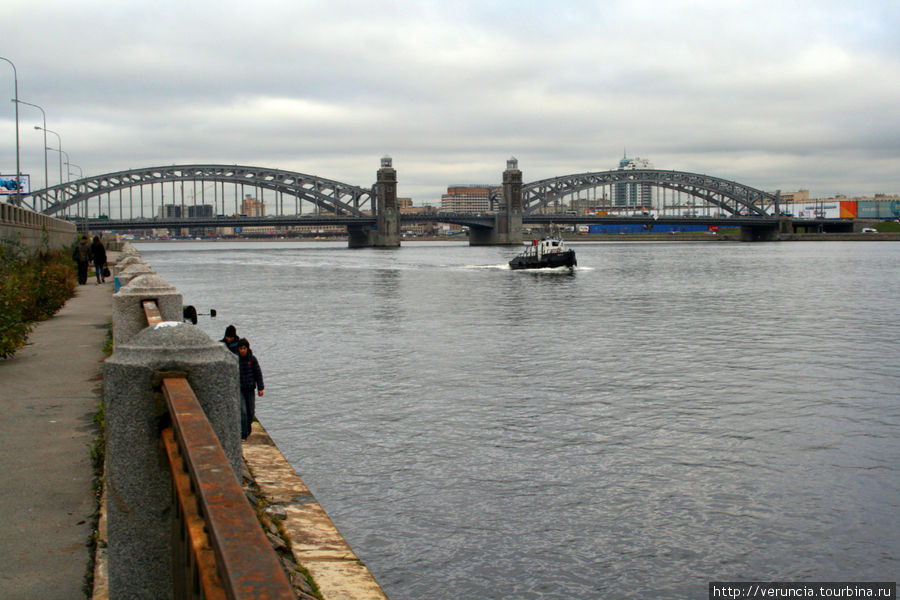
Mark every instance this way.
x=179 y=524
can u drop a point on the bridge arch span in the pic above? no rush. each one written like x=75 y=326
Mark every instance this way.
x=732 y=197
x=332 y=196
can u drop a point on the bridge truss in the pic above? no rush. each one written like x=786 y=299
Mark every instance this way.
x=731 y=197
x=332 y=197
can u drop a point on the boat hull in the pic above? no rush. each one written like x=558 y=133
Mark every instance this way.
x=548 y=261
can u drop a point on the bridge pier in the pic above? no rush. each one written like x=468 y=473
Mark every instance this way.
x=507 y=230
x=360 y=236
x=785 y=225
x=759 y=233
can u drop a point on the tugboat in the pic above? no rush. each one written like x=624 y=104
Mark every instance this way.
x=548 y=253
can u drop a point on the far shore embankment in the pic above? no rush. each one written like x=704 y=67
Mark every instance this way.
x=572 y=237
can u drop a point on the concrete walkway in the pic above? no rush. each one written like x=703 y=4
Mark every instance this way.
x=49 y=393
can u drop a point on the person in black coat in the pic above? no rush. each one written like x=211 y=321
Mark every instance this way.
x=82 y=256
x=98 y=255
x=251 y=380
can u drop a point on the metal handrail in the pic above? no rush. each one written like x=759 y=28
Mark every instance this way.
x=220 y=549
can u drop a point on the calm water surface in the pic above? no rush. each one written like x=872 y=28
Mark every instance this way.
x=668 y=415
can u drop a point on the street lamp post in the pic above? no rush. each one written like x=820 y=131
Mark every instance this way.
x=44 y=117
x=59 y=141
x=61 y=195
x=61 y=151
x=18 y=165
x=69 y=166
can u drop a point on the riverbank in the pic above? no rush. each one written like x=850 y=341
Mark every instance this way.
x=313 y=541
x=55 y=536
x=317 y=560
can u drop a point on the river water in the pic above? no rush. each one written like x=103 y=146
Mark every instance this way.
x=667 y=415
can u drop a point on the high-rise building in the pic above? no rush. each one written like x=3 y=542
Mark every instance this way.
x=201 y=211
x=170 y=211
x=468 y=198
x=252 y=207
x=633 y=194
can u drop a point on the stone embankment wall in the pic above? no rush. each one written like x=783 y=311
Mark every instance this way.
x=28 y=228
x=317 y=559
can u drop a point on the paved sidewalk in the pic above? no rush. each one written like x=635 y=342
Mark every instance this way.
x=49 y=392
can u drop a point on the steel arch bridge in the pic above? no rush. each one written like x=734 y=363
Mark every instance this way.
x=332 y=196
x=732 y=197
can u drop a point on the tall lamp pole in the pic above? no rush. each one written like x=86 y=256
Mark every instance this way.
x=18 y=166
x=44 y=117
x=61 y=151
x=69 y=166
x=59 y=139
x=59 y=142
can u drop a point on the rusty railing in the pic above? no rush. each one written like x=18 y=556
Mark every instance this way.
x=219 y=548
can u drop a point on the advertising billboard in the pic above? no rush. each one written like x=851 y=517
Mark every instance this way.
x=848 y=209
x=818 y=210
x=9 y=187
x=879 y=210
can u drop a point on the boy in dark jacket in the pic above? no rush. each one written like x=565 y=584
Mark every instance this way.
x=251 y=380
x=231 y=339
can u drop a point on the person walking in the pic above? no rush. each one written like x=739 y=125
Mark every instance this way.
x=231 y=339
x=98 y=255
x=82 y=256
x=251 y=380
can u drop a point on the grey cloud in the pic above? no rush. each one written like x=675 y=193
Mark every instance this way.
x=773 y=95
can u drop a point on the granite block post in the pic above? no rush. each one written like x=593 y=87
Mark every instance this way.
x=139 y=495
x=130 y=272
x=128 y=311
x=126 y=261
x=126 y=247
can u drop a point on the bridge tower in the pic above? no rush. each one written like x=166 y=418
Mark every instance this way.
x=387 y=234
x=508 y=220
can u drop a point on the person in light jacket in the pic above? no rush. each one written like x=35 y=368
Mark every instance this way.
x=251 y=381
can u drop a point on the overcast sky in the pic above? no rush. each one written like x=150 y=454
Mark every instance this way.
x=773 y=94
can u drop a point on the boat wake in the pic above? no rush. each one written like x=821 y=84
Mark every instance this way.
x=502 y=267
x=506 y=267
